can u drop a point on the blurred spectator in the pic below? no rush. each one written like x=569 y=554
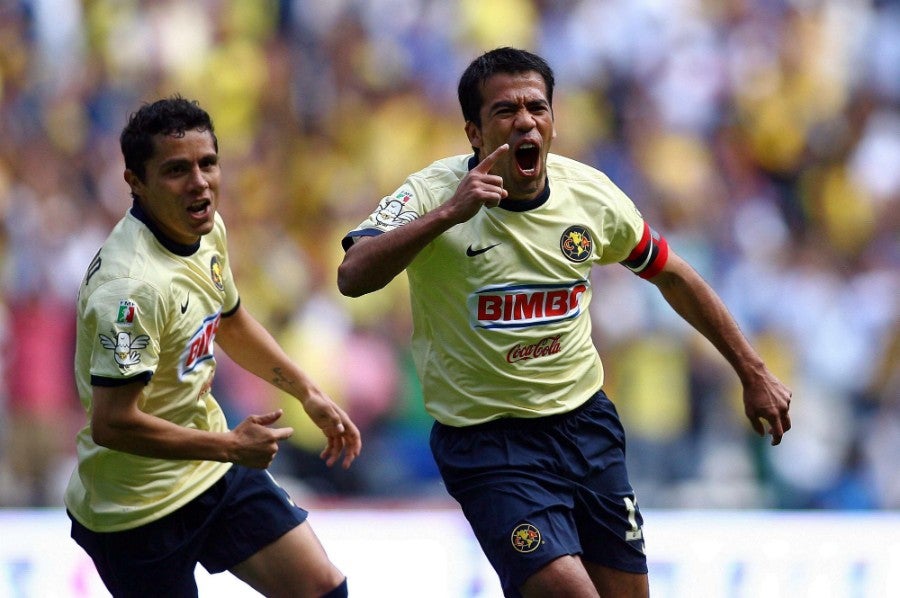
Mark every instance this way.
x=763 y=136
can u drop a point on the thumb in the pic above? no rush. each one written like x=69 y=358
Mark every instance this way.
x=283 y=433
x=267 y=418
x=485 y=165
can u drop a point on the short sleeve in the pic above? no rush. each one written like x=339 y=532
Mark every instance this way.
x=122 y=319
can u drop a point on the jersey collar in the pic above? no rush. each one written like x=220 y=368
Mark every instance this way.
x=514 y=205
x=177 y=248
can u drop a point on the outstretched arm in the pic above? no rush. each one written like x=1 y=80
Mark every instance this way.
x=372 y=262
x=765 y=396
x=253 y=348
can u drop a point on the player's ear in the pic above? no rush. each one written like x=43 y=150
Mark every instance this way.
x=473 y=132
x=133 y=181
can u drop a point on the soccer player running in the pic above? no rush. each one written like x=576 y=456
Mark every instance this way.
x=498 y=247
x=161 y=482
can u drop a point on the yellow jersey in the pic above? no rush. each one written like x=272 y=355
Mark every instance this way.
x=500 y=302
x=148 y=310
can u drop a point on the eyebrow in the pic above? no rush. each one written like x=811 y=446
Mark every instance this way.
x=509 y=104
x=206 y=158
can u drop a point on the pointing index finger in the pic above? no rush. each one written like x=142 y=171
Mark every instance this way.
x=485 y=165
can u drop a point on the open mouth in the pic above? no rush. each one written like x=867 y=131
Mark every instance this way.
x=527 y=156
x=199 y=207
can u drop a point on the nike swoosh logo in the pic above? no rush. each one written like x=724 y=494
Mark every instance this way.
x=473 y=252
x=184 y=305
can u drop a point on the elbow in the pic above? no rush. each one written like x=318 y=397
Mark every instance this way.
x=345 y=285
x=350 y=291
x=349 y=285
x=102 y=436
x=108 y=434
x=357 y=274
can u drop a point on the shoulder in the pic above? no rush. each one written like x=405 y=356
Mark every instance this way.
x=127 y=261
x=219 y=222
x=585 y=182
x=563 y=168
x=444 y=171
x=435 y=183
x=219 y=232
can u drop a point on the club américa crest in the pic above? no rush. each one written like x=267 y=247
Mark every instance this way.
x=576 y=243
x=525 y=538
x=215 y=272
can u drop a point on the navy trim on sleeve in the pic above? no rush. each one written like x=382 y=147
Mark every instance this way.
x=347 y=242
x=114 y=382
x=233 y=310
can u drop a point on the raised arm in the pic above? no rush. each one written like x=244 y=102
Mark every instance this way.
x=765 y=396
x=372 y=262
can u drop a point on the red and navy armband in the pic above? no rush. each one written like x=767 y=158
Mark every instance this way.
x=649 y=255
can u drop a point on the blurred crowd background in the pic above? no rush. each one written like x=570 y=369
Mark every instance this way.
x=762 y=137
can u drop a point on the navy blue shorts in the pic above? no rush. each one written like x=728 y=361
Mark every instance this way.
x=240 y=514
x=537 y=489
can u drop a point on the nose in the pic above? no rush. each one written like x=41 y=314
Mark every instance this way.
x=198 y=178
x=524 y=120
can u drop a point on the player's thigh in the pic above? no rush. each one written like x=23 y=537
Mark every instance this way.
x=294 y=565
x=561 y=578
x=156 y=559
x=609 y=520
x=614 y=582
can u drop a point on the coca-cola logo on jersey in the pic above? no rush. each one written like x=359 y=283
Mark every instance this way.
x=543 y=348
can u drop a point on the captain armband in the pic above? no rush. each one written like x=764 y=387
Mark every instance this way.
x=649 y=255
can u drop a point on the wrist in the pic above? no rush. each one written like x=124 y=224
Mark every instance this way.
x=751 y=370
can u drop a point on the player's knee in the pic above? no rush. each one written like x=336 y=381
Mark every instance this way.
x=338 y=592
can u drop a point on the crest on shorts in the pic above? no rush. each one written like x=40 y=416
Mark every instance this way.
x=526 y=538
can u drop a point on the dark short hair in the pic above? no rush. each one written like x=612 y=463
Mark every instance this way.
x=169 y=116
x=501 y=60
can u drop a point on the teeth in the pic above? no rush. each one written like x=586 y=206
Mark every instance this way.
x=527 y=146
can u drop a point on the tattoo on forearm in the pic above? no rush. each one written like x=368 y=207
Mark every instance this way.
x=282 y=381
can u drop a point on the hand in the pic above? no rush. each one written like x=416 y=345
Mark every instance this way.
x=342 y=434
x=257 y=443
x=478 y=188
x=768 y=399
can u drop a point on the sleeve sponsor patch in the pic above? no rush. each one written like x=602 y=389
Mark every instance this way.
x=125 y=348
x=394 y=211
x=125 y=314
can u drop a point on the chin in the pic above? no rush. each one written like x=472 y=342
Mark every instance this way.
x=205 y=228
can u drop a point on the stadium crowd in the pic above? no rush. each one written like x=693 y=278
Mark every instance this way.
x=762 y=137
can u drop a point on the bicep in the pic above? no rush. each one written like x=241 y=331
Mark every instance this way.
x=236 y=330
x=248 y=343
x=115 y=406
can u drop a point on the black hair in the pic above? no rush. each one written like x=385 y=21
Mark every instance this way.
x=500 y=60
x=174 y=115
